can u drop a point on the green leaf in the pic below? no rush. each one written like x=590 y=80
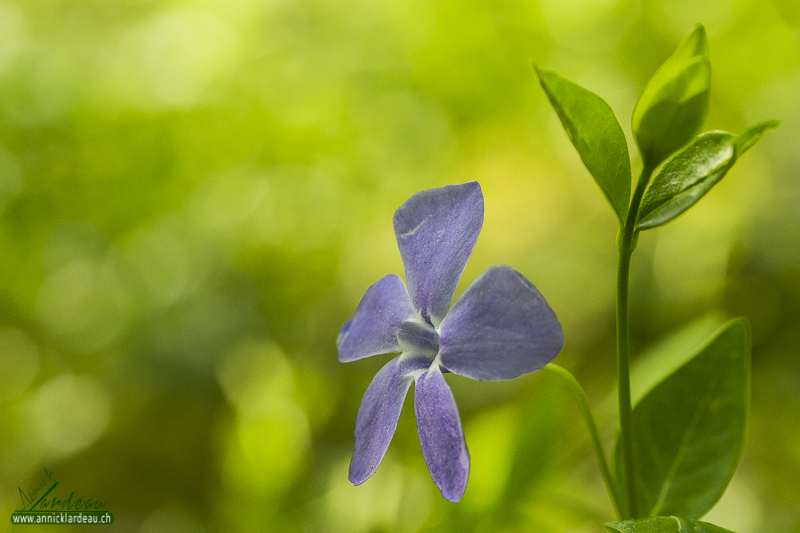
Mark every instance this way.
x=751 y=136
x=686 y=177
x=663 y=524
x=688 y=431
x=674 y=103
x=597 y=136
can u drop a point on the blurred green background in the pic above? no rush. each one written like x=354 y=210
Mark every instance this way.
x=194 y=195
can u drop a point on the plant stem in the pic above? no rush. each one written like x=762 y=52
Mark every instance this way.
x=624 y=382
x=626 y=245
x=586 y=411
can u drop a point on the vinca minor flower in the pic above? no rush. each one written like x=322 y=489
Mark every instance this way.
x=500 y=328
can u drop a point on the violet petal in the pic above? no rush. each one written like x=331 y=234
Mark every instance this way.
x=500 y=328
x=440 y=434
x=379 y=413
x=373 y=329
x=436 y=231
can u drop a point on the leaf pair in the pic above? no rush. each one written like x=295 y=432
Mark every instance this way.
x=667 y=116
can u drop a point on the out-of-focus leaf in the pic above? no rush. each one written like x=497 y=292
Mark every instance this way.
x=663 y=524
x=597 y=136
x=752 y=135
x=686 y=177
x=674 y=102
x=688 y=431
x=536 y=441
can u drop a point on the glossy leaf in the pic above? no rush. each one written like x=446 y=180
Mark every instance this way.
x=686 y=177
x=688 y=431
x=674 y=103
x=752 y=135
x=663 y=524
x=597 y=136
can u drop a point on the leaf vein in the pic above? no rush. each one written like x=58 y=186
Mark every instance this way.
x=683 y=448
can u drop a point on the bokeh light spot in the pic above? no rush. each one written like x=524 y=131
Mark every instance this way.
x=69 y=413
x=254 y=369
x=164 y=260
x=265 y=449
x=174 y=56
x=83 y=304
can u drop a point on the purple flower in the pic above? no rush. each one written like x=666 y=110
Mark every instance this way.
x=500 y=328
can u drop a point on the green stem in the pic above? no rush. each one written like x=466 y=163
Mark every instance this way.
x=586 y=411
x=626 y=245
x=624 y=382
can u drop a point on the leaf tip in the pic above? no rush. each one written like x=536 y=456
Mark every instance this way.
x=700 y=31
x=697 y=41
x=739 y=328
x=768 y=125
x=541 y=72
x=742 y=325
x=751 y=136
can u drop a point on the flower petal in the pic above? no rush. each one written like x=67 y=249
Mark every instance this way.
x=500 y=328
x=373 y=329
x=379 y=413
x=436 y=232
x=440 y=434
